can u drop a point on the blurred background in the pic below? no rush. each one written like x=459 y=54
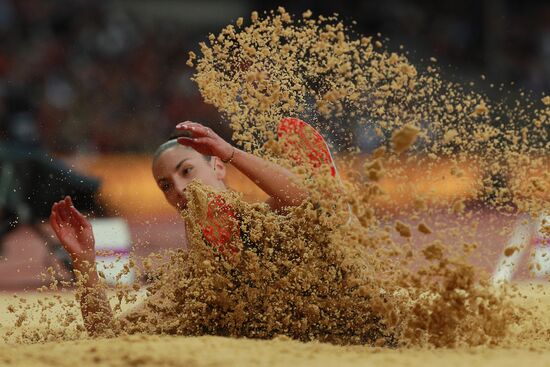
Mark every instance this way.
x=89 y=89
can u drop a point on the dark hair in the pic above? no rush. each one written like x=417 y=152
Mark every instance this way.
x=172 y=142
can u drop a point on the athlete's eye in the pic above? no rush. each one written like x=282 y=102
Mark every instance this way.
x=164 y=187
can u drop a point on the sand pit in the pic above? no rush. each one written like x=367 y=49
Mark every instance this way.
x=217 y=351
x=150 y=350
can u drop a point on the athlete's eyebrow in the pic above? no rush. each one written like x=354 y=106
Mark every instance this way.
x=180 y=163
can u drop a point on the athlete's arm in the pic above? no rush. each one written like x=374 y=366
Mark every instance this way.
x=75 y=234
x=276 y=181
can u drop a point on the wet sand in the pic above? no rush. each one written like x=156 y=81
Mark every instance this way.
x=147 y=350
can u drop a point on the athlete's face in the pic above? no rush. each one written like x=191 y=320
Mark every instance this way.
x=176 y=167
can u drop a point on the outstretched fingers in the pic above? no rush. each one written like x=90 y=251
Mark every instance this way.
x=57 y=227
x=75 y=218
x=78 y=218
x=192 y=142
x=194 y=128
x=54 y=220
x=65 y=214
x=63 y=211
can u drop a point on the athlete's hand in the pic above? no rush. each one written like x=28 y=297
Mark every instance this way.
x=74 y=232
x=205 y=141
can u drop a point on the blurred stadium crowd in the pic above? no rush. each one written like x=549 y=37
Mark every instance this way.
x=89 y=76
x=80 y=76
